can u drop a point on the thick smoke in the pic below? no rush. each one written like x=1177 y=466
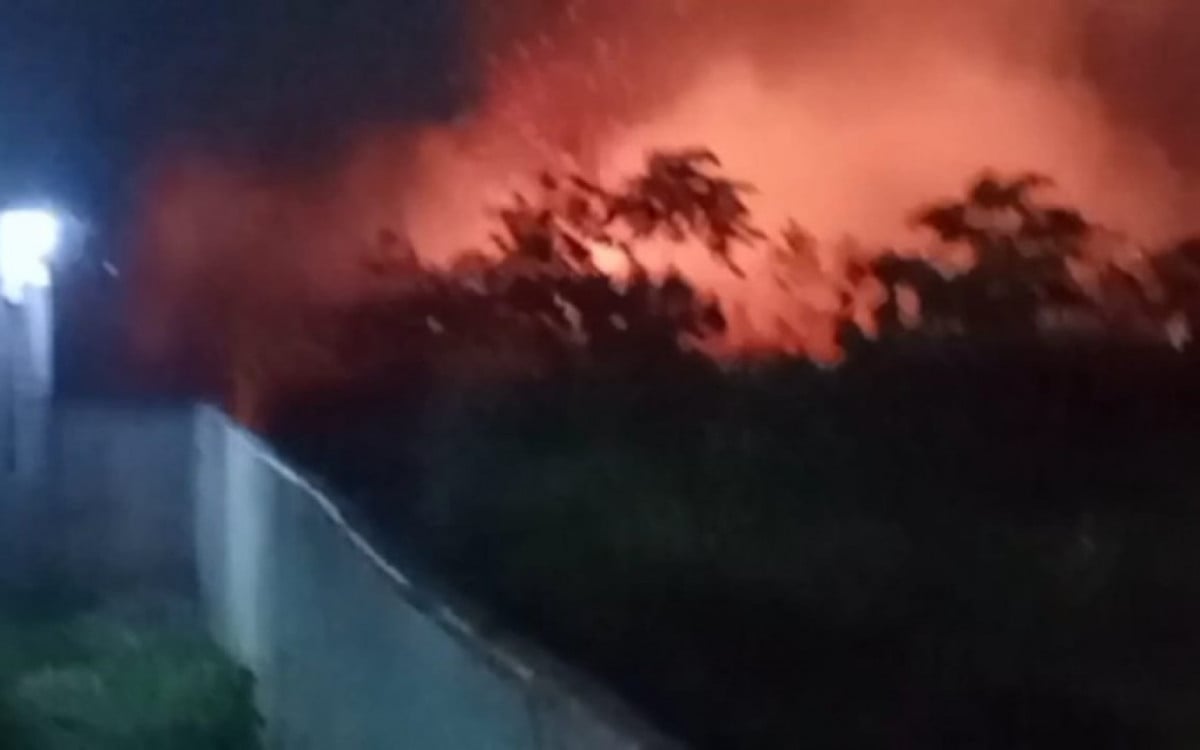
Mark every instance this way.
x=845 y=115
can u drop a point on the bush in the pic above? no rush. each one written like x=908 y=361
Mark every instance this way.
x=934 y=548
x=102 y=681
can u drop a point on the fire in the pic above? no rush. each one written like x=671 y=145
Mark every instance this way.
x=844 y=116
x=610 y=259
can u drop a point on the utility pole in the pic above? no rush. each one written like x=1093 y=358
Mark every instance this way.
x=28 y=240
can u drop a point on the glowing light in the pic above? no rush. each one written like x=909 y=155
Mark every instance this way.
x=609 y=260
x=28 y=240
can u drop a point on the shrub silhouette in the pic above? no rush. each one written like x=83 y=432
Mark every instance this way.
x=1021 y=255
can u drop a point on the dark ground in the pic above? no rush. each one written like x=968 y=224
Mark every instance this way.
x=931 y=547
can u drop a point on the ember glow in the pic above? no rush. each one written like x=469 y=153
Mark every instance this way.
x=845 y=116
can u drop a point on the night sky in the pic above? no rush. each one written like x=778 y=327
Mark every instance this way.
x=88 y=86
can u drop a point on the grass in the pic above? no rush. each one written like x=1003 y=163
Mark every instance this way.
x=120 y=676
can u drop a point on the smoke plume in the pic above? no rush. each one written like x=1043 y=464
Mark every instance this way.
x=845 y=115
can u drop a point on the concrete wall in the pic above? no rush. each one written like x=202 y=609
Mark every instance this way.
x=349 y=654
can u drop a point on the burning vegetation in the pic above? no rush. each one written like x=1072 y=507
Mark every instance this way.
x=836 y=120
x=579 y=274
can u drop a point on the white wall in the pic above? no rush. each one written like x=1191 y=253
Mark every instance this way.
x=348 y=653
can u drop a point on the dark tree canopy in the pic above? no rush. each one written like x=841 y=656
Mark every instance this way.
x=540 y=298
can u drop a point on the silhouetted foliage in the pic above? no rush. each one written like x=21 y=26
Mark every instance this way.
x=1020 y=266
x=679 y=195
x=1177 y=272
x=543 y=295
x=950 y=550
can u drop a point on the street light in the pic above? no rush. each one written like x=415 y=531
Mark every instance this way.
x=28 y=239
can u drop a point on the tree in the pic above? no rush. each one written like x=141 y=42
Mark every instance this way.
x=539 y=299
x=1021 y=266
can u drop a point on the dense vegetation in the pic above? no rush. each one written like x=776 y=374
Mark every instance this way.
x=541 y=302
x=976 y=532
x=966 y=549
